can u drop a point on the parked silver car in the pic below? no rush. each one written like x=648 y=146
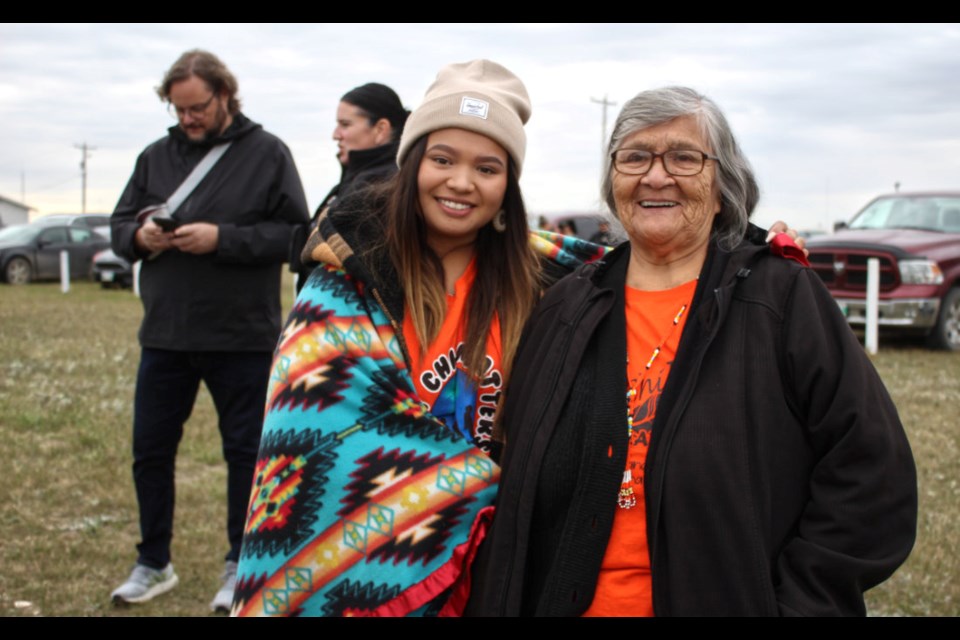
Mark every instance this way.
x=110 y=270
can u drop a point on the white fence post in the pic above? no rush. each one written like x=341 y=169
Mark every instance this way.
x=64 y=271
x=135 y=267
x=873 y=296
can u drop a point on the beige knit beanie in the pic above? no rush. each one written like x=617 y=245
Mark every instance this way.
x=480 y=96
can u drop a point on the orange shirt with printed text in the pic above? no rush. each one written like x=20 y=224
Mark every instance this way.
x=441 y=378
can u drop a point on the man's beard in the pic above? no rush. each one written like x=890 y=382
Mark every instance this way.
x=211 y=132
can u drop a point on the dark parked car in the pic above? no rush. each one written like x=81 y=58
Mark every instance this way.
x=99 y=222
x=916 y=237
x=110 y=270
x=32 y=252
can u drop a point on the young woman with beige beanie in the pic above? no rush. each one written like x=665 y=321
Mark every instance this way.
x=374 y=470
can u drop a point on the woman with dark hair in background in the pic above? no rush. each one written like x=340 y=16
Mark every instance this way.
x=370 y=120
x=691 y=427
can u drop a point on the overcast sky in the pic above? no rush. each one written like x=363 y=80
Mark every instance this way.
x=829 y=115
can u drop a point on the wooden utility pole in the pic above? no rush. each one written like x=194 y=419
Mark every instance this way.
x=86 y=149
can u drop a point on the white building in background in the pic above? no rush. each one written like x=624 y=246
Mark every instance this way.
x=13 y=212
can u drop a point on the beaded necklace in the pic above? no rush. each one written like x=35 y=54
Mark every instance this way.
x=625 y=498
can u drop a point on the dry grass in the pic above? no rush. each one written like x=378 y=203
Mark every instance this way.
x=926 y=389
x=68 y=525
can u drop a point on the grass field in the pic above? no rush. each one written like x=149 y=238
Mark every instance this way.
x=68 y=524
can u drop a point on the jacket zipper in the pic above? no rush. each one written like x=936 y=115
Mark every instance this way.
x=670 y=429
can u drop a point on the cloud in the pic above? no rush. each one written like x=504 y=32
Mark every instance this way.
x=830 y=115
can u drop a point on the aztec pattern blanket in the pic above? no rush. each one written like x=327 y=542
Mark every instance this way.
x=364 y=503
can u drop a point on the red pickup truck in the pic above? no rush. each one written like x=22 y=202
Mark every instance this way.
x=916 y=237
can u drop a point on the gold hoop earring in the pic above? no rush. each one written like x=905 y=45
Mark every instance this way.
x=500 y=221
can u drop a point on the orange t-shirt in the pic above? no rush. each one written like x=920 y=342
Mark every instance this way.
x=624 y=586
x=441 y=379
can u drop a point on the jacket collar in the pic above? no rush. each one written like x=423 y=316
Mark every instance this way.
x=360 y=161
x=721 y=267
x=721 y=273
x=241 y=126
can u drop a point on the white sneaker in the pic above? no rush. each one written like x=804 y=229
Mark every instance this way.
x=145 y=584
x=223 y=601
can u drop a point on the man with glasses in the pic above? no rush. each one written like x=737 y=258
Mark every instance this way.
x=210 y=285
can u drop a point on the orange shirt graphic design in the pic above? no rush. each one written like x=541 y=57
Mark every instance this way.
x=464 y=402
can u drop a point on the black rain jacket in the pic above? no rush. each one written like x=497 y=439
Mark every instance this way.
x=228 y=300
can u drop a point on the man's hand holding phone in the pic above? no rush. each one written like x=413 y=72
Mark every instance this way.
x=152 y=239
x=160 y=231
x=166 y=222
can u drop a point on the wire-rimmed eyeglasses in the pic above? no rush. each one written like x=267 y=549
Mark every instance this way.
x=196 y=111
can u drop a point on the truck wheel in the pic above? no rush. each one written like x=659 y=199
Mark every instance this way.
x=17 y=271
x=946 y=334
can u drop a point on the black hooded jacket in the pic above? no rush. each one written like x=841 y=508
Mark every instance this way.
x=779 y=480
x=228 y=300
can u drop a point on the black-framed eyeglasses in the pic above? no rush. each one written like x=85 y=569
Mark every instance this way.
x=676 y=162
x=196 y=111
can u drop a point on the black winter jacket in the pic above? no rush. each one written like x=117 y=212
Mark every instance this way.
x=228 y=300
x=779 y=480
x=364 y=168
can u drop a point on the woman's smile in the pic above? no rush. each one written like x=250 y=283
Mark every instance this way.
x=462 y=181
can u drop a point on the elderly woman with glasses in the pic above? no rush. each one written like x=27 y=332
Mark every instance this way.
x=691 y=428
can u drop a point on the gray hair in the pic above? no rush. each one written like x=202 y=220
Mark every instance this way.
x=738 y=187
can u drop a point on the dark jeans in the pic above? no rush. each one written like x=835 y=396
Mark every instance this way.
x=167 y=385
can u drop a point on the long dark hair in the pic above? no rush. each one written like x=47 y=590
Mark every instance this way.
x=506 y=280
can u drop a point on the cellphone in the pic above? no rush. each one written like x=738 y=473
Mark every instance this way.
x=166 y=222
